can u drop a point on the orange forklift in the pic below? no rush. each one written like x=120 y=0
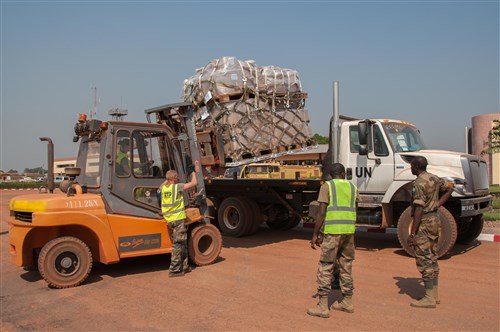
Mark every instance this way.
x=106 y=212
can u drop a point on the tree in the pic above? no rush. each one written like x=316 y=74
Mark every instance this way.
x=492 y=145
x=320 y=139
x=36 y=170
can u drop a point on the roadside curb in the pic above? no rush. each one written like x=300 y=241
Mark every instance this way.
x=489 y=237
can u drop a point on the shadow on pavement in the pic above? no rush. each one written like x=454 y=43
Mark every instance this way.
x=410 y=286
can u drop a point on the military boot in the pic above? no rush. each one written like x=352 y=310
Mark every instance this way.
x=435 y=290
x=345 y=305
x=428 y=300
x=321 y=309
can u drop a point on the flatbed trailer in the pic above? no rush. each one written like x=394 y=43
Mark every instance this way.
x=244 y=204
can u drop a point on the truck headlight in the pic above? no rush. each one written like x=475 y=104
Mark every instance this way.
x=457 y=184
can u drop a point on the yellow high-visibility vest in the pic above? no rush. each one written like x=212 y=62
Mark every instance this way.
x=119 y=157
x=341 y=210
x=172 y=203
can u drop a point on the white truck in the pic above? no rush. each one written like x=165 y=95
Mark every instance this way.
x=377 y=154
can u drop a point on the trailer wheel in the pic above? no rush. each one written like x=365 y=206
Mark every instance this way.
x=469 y=231
x=204 y=244
x=65 y=262
x=447 y=233
x=235 y=216
x=293 y=221
x=256 y=218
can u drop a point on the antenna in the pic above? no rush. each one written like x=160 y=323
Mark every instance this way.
x=117 y=113
x=94 y=111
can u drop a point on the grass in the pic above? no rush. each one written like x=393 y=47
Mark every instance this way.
x=495 y=189
x=496 y=203
x=493 y=215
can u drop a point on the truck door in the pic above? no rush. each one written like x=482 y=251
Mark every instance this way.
x=374 y=172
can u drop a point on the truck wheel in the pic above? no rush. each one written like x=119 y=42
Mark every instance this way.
x=204 y=245
x=447 y=234
x=235 y=216
x=65 y=262
x=256 y=218
x=293 y=221
x=469 y=231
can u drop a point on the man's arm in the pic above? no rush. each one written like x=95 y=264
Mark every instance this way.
x=192 y=183
x=445 y=196
x=320 y=219
x=417 y=219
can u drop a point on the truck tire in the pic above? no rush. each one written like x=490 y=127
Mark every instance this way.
x=65 y=262
x=447 y=234
x=204 y=244
x=257 y=216
x=293 y=221
x=469 y=231
x=235 y=216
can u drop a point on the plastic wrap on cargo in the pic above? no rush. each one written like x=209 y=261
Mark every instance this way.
x=258 y=110
x=226 y=76
x=249 y=132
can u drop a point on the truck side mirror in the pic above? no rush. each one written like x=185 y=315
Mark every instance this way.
x=363 y=137
x=363 y=150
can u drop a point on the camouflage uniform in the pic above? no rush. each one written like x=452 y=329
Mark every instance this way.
x=425 y=193
x=178 y=234
x=334 y=248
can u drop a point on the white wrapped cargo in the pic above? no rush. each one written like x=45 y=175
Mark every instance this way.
x=258 y=110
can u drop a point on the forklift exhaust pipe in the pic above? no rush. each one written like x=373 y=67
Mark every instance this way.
x=50 y=166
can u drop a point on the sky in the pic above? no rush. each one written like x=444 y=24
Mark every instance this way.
x=432 y=63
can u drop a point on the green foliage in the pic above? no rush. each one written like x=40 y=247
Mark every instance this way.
x=493 y=144
x=495 y=189
x=493 y=215
x=24 y=185
x=320 y=139
x=496 y=203
x=36 y=170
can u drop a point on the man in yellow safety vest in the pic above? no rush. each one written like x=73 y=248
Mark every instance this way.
x=174 y=213
x=337 y=210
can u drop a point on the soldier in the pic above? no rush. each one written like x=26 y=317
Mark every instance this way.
x=172 y=207
x=425 y=228
x=337 y=209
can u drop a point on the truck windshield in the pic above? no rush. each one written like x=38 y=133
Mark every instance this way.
x=403 y=137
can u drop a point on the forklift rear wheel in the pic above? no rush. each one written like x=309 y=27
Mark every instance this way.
x=65 y=262
x=205 y=244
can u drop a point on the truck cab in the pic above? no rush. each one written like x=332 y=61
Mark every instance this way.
x=377 y=154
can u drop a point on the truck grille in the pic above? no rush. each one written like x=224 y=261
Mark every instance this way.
x=476 y=174
x=23 y=216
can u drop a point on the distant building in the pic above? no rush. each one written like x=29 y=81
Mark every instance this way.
x=61 y=163
x=478 y=136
